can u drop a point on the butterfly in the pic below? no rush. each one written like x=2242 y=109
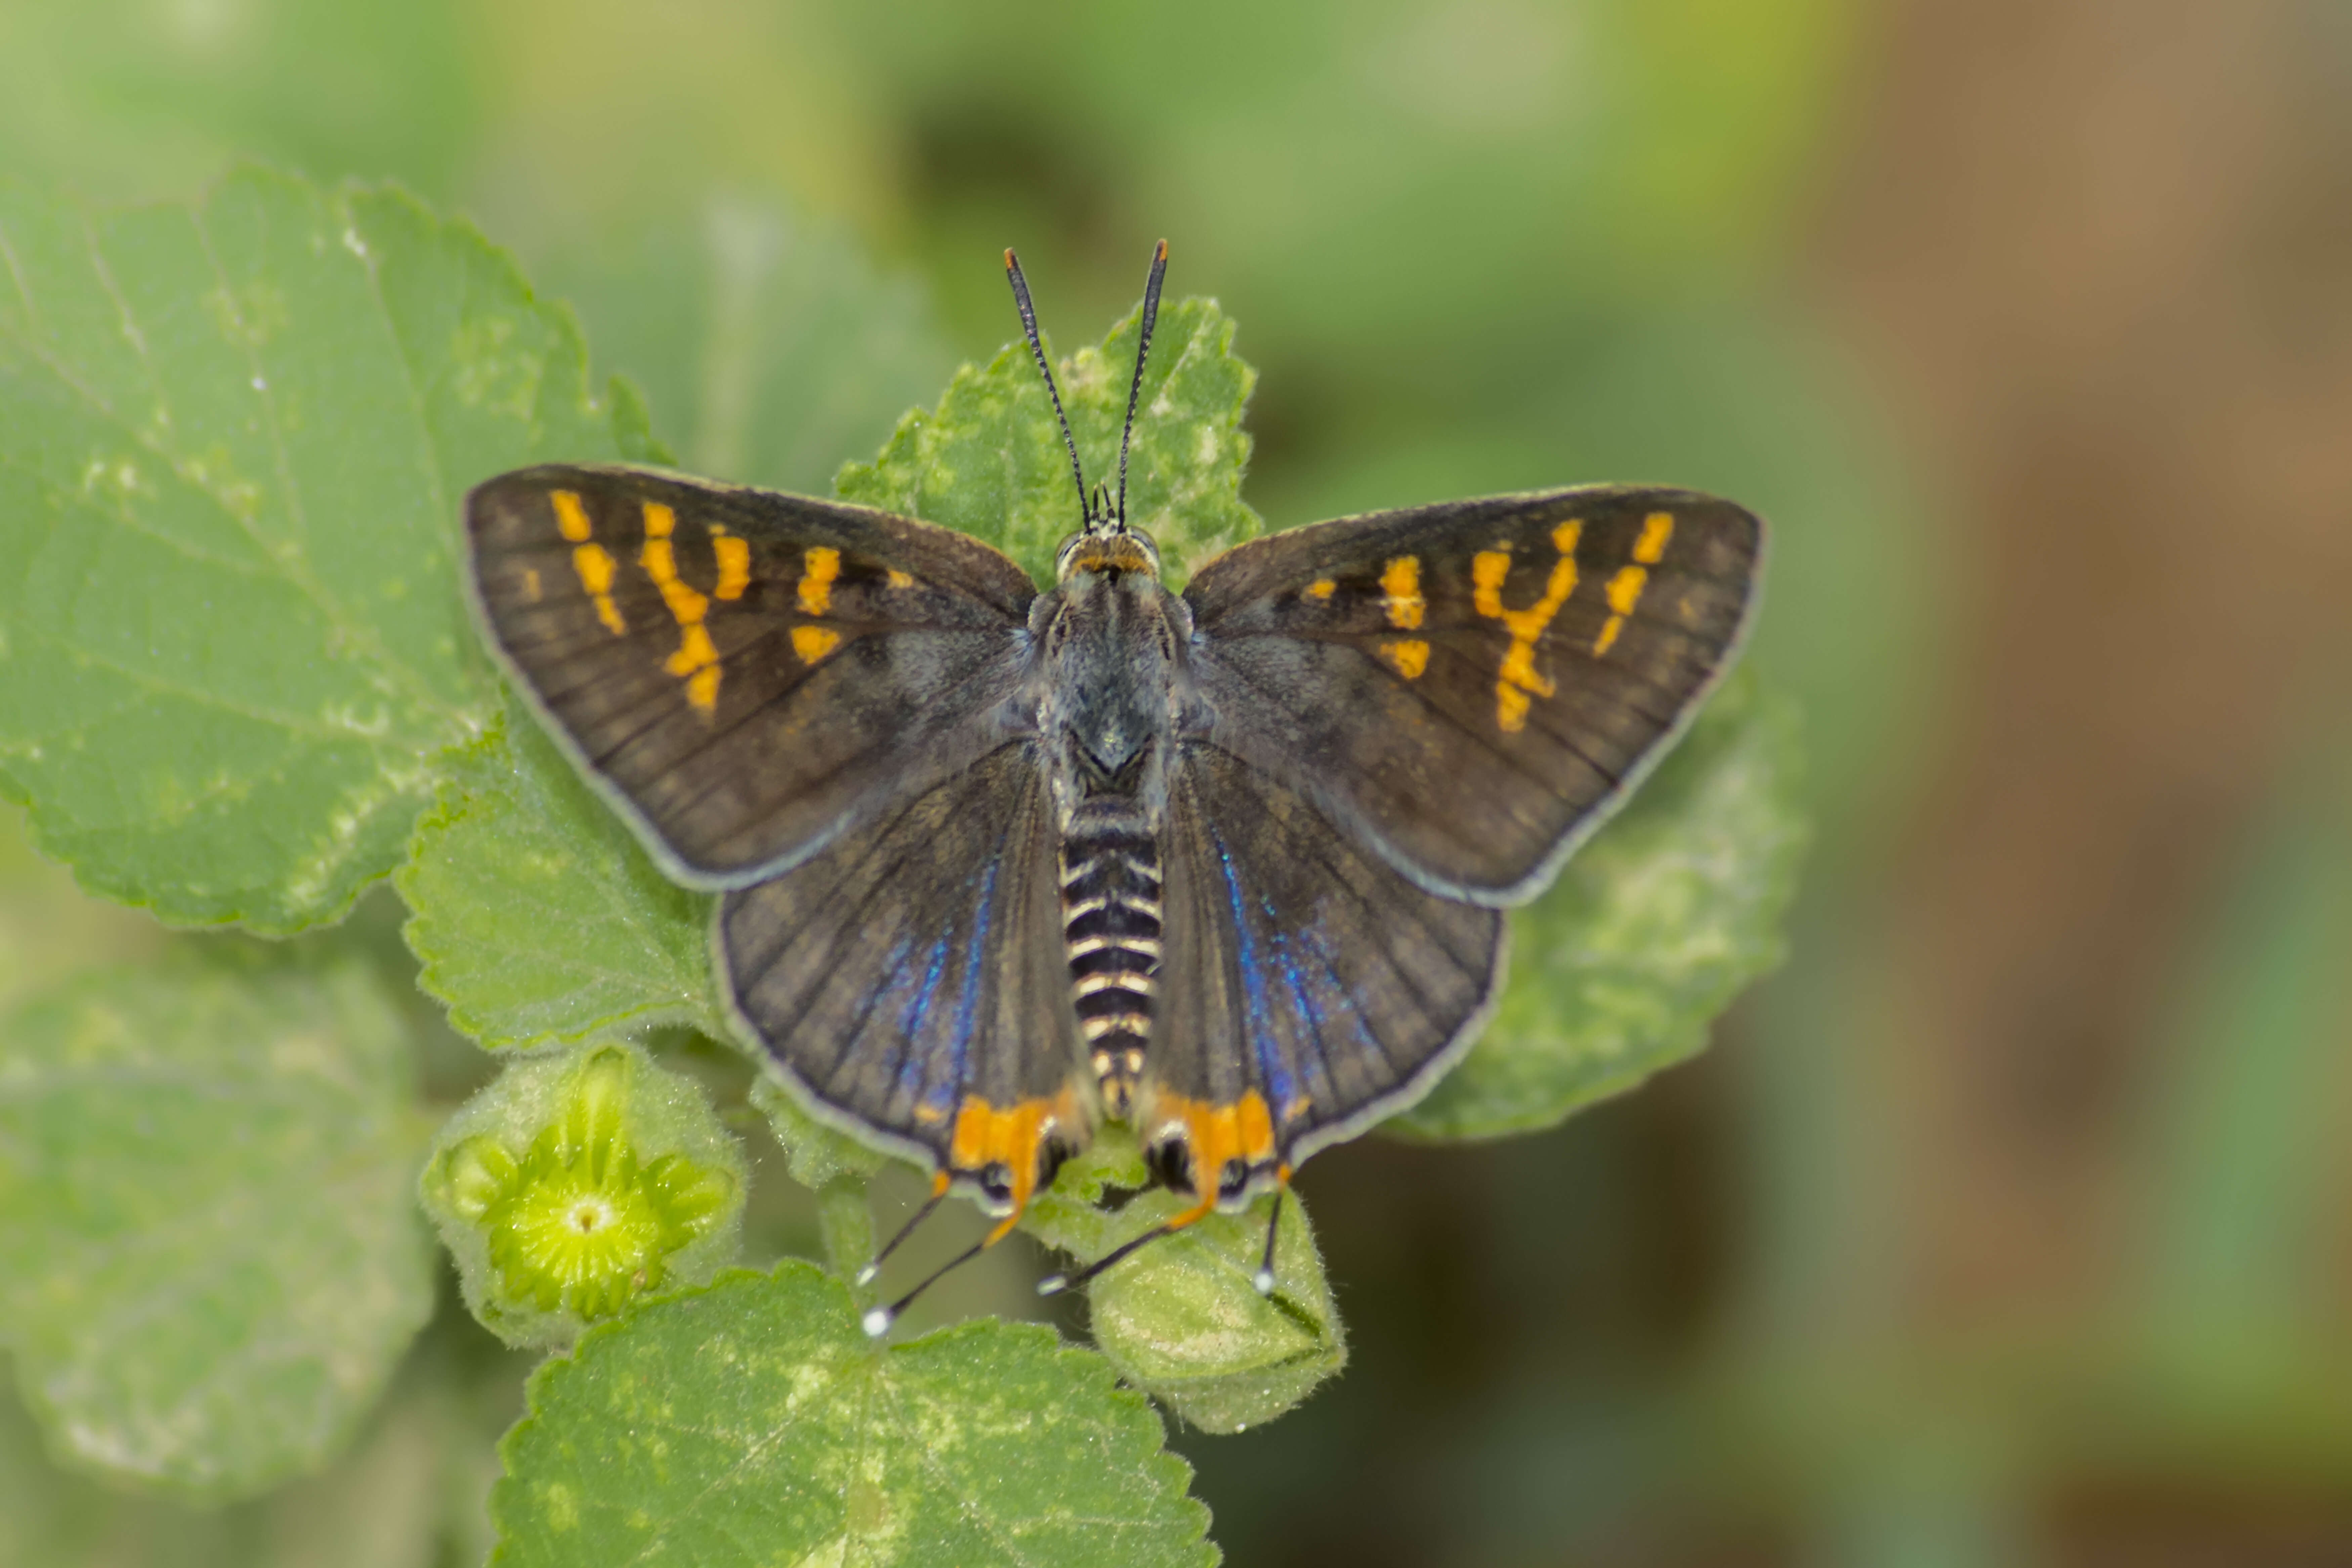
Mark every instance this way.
x=996 y=863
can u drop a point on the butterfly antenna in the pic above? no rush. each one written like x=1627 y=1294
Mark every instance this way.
x=1029 y=325
x=865 y=1275
x=1142 y=348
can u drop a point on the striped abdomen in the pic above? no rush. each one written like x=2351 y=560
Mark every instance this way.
x=1110 y=918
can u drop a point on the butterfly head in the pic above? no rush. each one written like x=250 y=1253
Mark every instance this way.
x=1108 y=545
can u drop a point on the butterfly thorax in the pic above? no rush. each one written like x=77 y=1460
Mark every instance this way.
x=1109 y=680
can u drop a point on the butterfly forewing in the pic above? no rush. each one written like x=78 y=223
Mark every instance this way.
x=1468 y=688
x=911 y=970
x=746 y=673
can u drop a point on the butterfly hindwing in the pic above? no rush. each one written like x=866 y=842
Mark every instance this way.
x=745 y=673
x=912 y=970
x=1299 y=968
x=1469 y=687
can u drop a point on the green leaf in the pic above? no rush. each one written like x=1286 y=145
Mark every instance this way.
x=1653 y=928
x=1182 y=1319
x=209 y=1257
x=411 y=1491
x=537 y=916
x=988 y=461
x=102 y=96
x=576 y=1185
x=49 y=929
x=754 y=1422
x=233 y=438
x=817 y=1155
x=772 y=345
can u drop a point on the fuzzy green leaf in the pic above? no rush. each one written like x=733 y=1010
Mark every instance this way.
x=988 y=461
x=1182 y=1319
x=817 y=1155
x=754 y=1423
x=1653 y=929
x=233 y=439
x=209 y=1256
x=538 y=915
x=575 y=1184
x=410 y=1493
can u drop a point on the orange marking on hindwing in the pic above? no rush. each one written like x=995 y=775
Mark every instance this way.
x=530 y=589
x=1517 y=679
x=812 y=643
x=1011 y=1137
x=900 y=579
x=1408 y=657
x=1321 y=588
x=1215 y=1136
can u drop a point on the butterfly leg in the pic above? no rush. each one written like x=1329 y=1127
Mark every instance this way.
x=1011 y=1154
x=868 y=1275
x=1263 y=1278
x=1216 y=1151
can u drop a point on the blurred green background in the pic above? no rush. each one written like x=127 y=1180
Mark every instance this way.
x=2006 y=1225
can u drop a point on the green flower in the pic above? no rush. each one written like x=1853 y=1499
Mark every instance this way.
x=580 y=1225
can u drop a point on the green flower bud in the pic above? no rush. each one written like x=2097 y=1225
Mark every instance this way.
x=575 y=1185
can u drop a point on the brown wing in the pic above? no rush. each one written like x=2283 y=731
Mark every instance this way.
x=743 y=673
x=1470 y=688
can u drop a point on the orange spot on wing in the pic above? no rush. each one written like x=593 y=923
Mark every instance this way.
x=693 y=654
x=595 y=566
x=1402 y=584
x=1321 y=588
x=1518 y=680
x=1409 y=657
x=1657 y=528
x=530 y=589
x=697 y=660
x=1625 y=590
x=823 y=566
x=899 y=579
x=812 y=643
x=1625 y=593
x=734 y=563
x=570 y=517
